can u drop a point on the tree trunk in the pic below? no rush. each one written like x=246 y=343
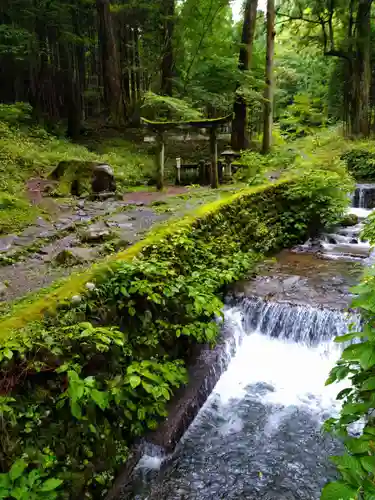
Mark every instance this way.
x=167 y=64
x=268 y=92
x=361 y=74
x=110 y=63
x=69 y=90
x=240 y=138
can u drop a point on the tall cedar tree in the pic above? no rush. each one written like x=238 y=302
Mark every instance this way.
x=240 y=138
x=361 y=72
x=110 y=63
x=268 y=91
x=167 y=64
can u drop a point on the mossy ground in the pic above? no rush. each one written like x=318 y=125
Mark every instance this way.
x=28 y=151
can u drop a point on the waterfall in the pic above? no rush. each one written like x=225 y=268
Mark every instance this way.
x=258 y=435
x=298 y=323
x=364 y=196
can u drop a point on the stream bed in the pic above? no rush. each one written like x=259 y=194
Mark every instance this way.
x=258 y=436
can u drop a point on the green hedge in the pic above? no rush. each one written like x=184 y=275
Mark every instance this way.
x=91 y=366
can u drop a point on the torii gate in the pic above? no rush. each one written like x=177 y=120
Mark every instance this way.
x=161 y=127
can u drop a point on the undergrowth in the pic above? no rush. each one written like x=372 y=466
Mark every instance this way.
x=28 y=151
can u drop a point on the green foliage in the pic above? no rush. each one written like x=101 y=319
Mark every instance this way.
x=253 y=167
x=357 y=365
x=361 y=162
x=85 y=419
x=15 y=114
x=164 y=108
x=20 y=483
x=303 y=116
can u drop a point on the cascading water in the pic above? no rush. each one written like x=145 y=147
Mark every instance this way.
x=346 y=242
x=258 y=436
x=364 y=196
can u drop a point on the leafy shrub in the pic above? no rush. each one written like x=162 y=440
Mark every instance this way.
x=357 y=364
x=361 y=164
x=86 y=379
x=252 y=168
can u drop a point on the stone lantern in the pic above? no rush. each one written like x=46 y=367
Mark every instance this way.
x=229 y=156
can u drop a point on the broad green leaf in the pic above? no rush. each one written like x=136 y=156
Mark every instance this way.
x=147 y=387
x=17 y=469
x=134 y=381
x=350 y=463
x=76 y=410
x=368 y=463
x=4 y=481
x=76 y=391
x=357 y=445
x=73 y=376
x=51 y=484
x=369 y=384
x=367 y=359
x=345 y=338
x=338 y=491
x=342 y=394
x=8 y=353
x=355 y=408
x=354 y=352
x=4 y=493
x=100 y=398
x=165 y=393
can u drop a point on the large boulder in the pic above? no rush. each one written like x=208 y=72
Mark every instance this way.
x=83 y=177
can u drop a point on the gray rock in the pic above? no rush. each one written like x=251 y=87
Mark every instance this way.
x=3 y=289
x=51 y=250
x=290 y=282
x=75 y=255
x=65 y=224
x=7 y=242
x=95 y=233
x=120 y=220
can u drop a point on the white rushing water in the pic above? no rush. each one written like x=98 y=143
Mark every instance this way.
x=258 y=436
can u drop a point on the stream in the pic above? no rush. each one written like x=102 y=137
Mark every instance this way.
x=258 y=436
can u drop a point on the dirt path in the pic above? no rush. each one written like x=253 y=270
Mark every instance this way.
x=81 y=232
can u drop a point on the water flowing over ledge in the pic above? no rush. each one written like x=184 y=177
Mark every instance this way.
x=265 y=410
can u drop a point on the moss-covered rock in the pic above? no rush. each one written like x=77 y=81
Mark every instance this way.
x=349 y=220
x=83 y=177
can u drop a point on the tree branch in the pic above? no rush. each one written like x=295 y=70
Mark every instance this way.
x=297 y=18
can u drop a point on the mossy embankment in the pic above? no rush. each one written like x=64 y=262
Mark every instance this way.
x=98 y=358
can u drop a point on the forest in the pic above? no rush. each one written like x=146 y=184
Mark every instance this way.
x=108 y=63
x=105 y=300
